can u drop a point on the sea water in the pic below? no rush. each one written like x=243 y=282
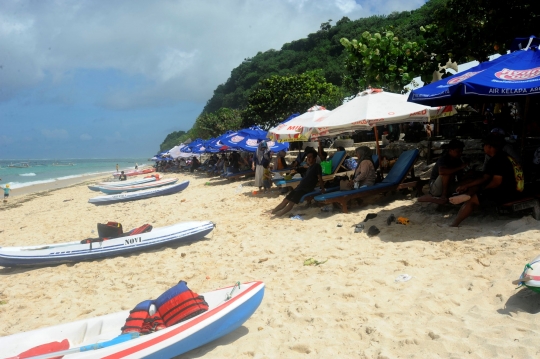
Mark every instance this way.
x=44 y=171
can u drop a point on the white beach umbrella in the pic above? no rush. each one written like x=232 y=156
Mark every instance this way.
x=299 y=128
x=375 y=107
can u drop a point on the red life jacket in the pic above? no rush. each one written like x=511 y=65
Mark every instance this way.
x=135 y=321
x=152 y=324
x=180 y=303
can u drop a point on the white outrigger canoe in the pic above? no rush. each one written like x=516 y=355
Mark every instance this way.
x=76 y=251
x=147 y=193
x=138 y=187
x=226 y=313
x=122 y=183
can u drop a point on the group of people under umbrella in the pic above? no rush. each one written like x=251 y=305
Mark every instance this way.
x=509 y=76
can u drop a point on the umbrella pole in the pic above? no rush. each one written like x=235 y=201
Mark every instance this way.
x=525 y=118
x=377 y=146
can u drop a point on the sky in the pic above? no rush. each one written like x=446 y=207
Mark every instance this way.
x=110 y=79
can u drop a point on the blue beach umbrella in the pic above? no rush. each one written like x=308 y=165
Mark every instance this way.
x=193 y=146
x=248 y=140
x=511 y=75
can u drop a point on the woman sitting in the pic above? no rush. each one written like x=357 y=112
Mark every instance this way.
x=365 y=174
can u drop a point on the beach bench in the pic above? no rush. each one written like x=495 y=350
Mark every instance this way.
x=337 y=164
x=395 y=179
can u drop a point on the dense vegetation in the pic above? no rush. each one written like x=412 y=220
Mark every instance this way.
x=397 y=46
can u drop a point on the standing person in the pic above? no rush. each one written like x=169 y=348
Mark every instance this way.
x=122 y=176
x=6 y=192
x=267 y=175
x=117 y=167
x=136 y=166
x=260 y=155
x=311 y=178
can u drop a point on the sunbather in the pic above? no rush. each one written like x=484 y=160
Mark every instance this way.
x=312 y=177
x=502 y=181
x=446 y=173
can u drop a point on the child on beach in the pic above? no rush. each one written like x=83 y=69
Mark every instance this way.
x=267 y=175
x=6 y=192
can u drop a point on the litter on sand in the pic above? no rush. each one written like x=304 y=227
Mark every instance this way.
x=402 y=278
x=370 y=216
x=390 y=219
x=313 y=262
x=297 y=217
x=403 y=220
x=373 y=231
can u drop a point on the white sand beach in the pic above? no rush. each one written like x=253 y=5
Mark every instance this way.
x=459 y=303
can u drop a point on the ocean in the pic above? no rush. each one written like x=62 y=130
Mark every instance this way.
x=43 y=171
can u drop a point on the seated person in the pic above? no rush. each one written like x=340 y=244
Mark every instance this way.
x=279 y=162
x=502 y=181
x=365 y=174
x=446 y=173
x=507 y=147
x=122 y=176
x=312 y=176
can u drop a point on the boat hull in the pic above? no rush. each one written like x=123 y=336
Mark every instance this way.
x=223 y=317
x=138 y=187
x=96 y=187
x=133 y=196
x=77 y=252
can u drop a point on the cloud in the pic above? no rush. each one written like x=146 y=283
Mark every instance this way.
x=180 y=50
x=86 y=137
x=56 y=134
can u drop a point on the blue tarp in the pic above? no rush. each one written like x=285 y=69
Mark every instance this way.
x=514 y=74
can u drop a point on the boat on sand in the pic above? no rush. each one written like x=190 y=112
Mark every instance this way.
x=133 y=196
x=96 y=248
x=228 y=309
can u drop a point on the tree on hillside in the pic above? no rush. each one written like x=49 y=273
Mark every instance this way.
x=475 y=29
x=277 y=97
x=214 y=124
x=382 y=60
x=172 y=139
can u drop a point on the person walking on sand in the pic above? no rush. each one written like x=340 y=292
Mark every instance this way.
x=261 y=154
x=117 y=167
x=6 y=192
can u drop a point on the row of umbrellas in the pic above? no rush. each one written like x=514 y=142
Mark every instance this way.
x=514 y=74
x=369 y=108
x=246 y=139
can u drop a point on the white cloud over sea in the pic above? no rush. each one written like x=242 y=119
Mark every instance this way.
x=112 y=73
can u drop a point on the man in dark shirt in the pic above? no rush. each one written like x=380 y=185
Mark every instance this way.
x=445 y=174
x=502 y=181
x=312 y=176
x=122 y=176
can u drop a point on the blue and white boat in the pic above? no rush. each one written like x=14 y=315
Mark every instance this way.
x=134 y=182
x=133 y=196
x=137 y=187
x=76 y=251
x=98 y=337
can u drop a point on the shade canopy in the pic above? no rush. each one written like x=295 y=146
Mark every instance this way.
x=511 y=75
x=298 y=128
x=375 y=107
